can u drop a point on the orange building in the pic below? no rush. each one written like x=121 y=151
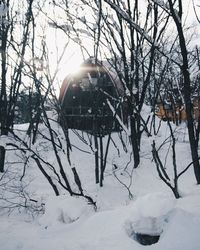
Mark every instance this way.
x=177 y=113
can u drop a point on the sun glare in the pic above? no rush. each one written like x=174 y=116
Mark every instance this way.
x=64 y=57
x=72 y=64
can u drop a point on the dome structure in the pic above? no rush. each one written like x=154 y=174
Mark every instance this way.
x=86 y=98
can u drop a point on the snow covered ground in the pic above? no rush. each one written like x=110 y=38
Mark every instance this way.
x=70 y=223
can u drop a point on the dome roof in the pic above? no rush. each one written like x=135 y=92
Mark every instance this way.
x=90 y=66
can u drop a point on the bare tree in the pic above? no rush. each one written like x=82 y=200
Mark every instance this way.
x=176 y=12
x=11 y=76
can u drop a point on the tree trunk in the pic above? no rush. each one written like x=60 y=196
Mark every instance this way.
x=96 y=159
x=101 y=161
x=135 y=143
x=2 y=158
x=190 y=125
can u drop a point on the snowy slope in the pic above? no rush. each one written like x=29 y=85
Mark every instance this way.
x=70 y=223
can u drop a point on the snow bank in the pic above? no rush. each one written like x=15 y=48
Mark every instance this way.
x=181 y=232
x=106 y=229
x=64 y=209
x=149 y=214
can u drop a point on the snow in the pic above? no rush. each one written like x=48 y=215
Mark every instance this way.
x=109 y=229
x=60 y=210
x=118 y=118
x=68 y=222
x=3 y=9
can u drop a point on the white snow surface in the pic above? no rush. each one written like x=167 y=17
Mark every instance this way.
x=70 y=223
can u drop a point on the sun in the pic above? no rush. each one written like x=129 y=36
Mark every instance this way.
x=69 y=65
x=65 y=56
x=72 y=63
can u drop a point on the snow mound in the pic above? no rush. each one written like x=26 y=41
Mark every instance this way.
x=64 y=210
x=182 y=231
x=149 y=214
